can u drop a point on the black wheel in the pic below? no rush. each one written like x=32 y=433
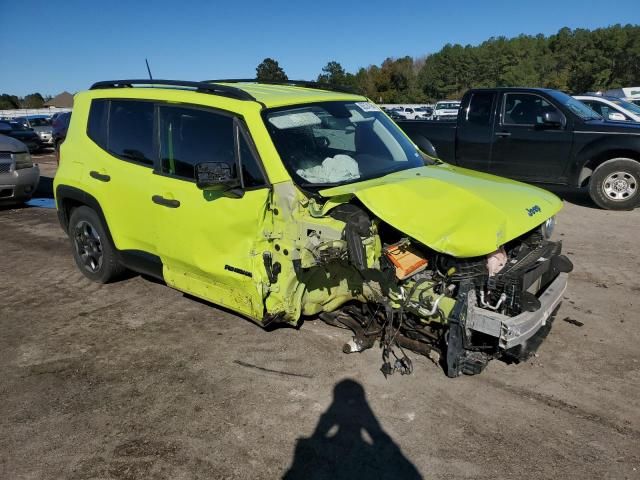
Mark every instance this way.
x=615 y=185
x=92 y=250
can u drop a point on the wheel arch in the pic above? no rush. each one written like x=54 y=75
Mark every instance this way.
x=601 y=158
x=68 y=198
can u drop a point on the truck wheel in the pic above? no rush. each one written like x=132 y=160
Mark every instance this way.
x=93 y=252
x=615 y=185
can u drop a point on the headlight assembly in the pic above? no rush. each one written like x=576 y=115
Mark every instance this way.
x=547 y=227
x=23 y=160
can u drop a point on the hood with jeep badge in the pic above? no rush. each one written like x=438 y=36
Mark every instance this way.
x=453 y=210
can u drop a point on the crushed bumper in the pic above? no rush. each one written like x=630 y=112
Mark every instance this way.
x=514 y=331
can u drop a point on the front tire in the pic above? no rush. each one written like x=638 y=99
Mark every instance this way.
x=615 y=185
x=93 y=252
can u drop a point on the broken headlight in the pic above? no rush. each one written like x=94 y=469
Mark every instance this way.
x=547 y=227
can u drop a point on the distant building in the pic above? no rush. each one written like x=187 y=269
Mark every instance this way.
x=62 y=100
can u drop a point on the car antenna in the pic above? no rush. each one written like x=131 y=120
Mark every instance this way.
x=148 y=69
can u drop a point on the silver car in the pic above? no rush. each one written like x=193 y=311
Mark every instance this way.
x=19 y=177
x=41 y=125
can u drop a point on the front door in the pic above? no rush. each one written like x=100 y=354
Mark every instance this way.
x=523 y=147
x=206 y=240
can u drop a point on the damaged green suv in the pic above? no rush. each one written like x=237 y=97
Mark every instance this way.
x=285 y=201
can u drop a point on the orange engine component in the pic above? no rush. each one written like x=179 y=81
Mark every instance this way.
x=406 y=261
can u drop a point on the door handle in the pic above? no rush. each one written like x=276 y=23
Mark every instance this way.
x=165 y=202
x=503 y=134
x=99 y=176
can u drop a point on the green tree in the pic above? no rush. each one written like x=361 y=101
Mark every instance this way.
x=33 y=100
x=270 y=70
x=9 y=102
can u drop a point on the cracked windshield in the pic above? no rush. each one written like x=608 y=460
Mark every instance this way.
x=334 y=143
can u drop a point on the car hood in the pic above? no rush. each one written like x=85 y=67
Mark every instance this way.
x=453 y=210
x=11 y=145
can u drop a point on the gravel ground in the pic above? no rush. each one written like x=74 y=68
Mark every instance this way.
x=136 y=380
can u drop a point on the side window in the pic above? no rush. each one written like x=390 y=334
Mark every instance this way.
x=525 y=109
x=190 y=136
x=480 y=107
x=97 y=124
x=130 y=130
x=252 y=175
x=596 y=107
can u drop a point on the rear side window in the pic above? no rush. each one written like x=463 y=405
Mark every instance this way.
x=97 y=125
x=123 y=128
x=480 y=108
x=130 y=131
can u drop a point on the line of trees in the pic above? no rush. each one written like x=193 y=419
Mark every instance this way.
x=574 y=61
x=33 y=100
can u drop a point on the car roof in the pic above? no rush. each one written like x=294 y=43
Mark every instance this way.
x=269 y=94
x=282 y=95
x=513 y=89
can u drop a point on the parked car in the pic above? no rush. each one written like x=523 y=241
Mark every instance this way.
x=630 y=94
x=394 y=114
x=539 y=136
x=26 y=135
x=41 y=124
x=446 y=110
x=18 y=175
x=424 y=112
x=60 y=126
x=611 y=108
x=281 y=202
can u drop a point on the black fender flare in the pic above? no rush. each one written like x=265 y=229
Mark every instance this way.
x=68 y=197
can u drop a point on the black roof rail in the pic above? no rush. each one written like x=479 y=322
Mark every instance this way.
x=202 y=87
x=295 y=83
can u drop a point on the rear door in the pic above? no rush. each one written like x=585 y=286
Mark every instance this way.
x=474 y=136
x=123 y=154
x=523 y=147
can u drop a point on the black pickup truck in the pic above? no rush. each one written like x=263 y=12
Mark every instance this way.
x=539 y=136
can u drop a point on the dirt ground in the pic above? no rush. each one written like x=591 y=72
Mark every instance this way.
x=134 y=380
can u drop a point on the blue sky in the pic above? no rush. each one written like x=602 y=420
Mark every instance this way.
x=68 y=44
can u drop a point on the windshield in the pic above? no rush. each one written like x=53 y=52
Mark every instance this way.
x=576 y=106
x=39 y=122
x=441 y=106
x=17 y=126
x=333 y=143
x=632 y=107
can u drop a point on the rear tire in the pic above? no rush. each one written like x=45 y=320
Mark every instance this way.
x=615 y=185
x=93 y=252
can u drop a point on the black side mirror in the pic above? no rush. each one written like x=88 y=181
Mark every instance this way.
x=217 y=176
x=552 y=120
x=425 y=145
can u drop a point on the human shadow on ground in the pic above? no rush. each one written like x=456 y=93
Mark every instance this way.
x=349 y=443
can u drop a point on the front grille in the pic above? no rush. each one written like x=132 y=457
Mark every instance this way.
x=5 y=167
x=5 y=156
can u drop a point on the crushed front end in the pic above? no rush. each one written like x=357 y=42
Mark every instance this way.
x=355 y=271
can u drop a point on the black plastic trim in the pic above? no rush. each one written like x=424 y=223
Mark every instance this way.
x=201 y=87
x=142 y=262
